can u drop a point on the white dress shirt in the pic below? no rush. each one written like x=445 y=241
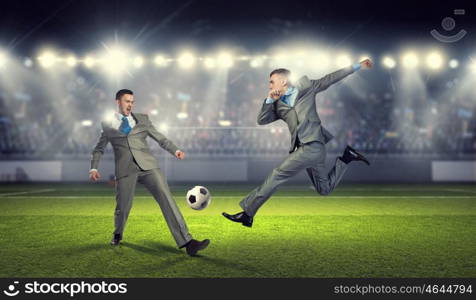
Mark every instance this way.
x=117 y=120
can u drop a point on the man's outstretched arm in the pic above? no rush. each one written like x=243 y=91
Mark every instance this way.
x=96 y=156
x=328 y=80
x=164 y=142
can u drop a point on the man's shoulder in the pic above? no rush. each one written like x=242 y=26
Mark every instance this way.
x=303 y=83
x=141 y=116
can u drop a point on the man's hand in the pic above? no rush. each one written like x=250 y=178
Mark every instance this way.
x=274 y=94
x=366 y=64
x=179 y=154
x=94 y=175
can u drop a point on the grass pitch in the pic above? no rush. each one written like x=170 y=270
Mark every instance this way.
x=49 y=230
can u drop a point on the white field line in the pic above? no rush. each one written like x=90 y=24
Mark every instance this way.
x=284 y=197
x=29 y=192
x=460 y=191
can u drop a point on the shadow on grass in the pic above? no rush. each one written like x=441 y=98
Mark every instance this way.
x=154 y=248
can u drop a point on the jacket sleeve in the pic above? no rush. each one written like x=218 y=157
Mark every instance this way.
x=328 y=80
x=99 y=150
x=163 y=142
x=267 y=114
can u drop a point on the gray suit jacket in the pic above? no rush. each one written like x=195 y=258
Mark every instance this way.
x=302 y=119
x=131 y=147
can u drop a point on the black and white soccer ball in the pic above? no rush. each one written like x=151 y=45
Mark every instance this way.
x=198 y=197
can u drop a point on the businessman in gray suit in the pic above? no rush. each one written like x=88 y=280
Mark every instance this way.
x=127 y=133
x=295 y=104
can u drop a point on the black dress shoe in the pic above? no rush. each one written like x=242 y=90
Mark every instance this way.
x=350 y=154
x=193 y=246
x=116 y=239
x=240 y=217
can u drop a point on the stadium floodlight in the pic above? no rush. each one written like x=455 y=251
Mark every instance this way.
x=224 y=123
x=256 y=62
x=320 y=60
x=224 y=60
x=28 y=62
x=410 y=60
x=89 y=62
x=154 y=112
x=47 y=59
x=138 y=61
x=108 y=116
x=209 y=62
x=343 y=61
x=71 y=61
x=454 y=63
x=160 y=60
x=182 y=115
x=472 y=65
x=86 y=123
x=389 y=62
x=163 y=127
x=115 y=60
x=3 y=59
x=186 y=60
x=434 y=60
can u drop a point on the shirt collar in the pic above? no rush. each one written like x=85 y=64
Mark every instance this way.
x=290 y=91
x=119 y=116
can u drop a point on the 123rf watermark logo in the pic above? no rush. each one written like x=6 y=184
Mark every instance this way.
x=67 y=288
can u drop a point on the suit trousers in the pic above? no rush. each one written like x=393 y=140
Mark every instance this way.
x=310 y=156
x=156 y=184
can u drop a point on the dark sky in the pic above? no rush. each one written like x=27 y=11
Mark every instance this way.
x=255 y=25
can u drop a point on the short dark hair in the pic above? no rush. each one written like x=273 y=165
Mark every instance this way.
x=123 y=92
x=281 y=71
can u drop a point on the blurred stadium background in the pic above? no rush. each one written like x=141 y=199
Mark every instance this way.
x=413 y=114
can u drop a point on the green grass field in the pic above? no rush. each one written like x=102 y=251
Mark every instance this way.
x=51 y=230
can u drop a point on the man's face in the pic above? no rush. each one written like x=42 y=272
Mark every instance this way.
x=278 y=82
x=125 y=104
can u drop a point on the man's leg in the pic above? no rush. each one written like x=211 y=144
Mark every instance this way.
x=294 y=163
x=325 y=182
x=155 y=182
x=125 y=188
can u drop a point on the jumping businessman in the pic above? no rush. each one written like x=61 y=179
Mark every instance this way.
x=295 y=105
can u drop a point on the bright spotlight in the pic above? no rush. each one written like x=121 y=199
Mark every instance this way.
x=154 y=112
x=89 y=62
x=410 y=60
x=343 y=61
x=256 y=62
x=28 y=62
x=108 y=116
x=71 y=61
x=3 y=59
x=186 y=60
x=160 y=61
x=86 y=123
x=138 y=61
x=434 y=60
x=320 y=60
x=182 y=115
x=47 y=59
x=472 y=65
x=115 y=60
x=454 y=63
x=389 y=62
x=209 y=63
x=225 y=60
x=163 y=127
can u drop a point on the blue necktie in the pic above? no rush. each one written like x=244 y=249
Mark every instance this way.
x=286 y=100
x=125 y=127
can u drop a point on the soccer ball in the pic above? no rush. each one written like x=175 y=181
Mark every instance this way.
x=198 y=197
